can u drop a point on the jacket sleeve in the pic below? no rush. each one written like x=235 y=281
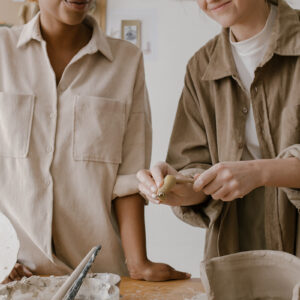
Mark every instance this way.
x=189 y=153
x=293 y=194
x=137 y=145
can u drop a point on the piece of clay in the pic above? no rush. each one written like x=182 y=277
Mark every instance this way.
x=9 y=247
x=95 y=286
x=169 y=182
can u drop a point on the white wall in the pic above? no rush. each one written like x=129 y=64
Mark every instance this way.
x=181 y=30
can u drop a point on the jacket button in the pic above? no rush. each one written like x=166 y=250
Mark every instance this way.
x=241 y=145
x=245 y=110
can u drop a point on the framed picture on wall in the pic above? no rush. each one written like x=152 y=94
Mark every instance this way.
x=131 y=31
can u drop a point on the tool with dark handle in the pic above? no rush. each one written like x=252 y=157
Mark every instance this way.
x=70 y=288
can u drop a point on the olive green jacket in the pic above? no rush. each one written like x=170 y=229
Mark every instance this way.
x=210 y=128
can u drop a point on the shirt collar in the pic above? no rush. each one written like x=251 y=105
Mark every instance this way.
x=285 y=41
x=31 y=31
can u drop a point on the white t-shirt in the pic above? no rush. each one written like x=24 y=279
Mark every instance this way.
x=248 y=54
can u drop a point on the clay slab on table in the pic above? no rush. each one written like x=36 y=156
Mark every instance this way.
x=94 y=287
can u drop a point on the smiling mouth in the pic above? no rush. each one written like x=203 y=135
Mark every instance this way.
x=220 y=6
x=77 y=2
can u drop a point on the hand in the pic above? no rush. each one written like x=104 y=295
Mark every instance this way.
x=151 y=271
x=18 y=272
x=227 y=181
x=181 y=194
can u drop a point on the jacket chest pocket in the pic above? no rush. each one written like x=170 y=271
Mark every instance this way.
x=16 y=114
x=99 y=125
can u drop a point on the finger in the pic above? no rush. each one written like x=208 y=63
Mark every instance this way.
x=231 y=196
x=212 y=187
x=145 y=190
x=23 y=271
x=148 y=194
x=159 y=171
x=177 y=275
x=204 y=179
x=221 y=193
x=14 y=275
x=27 y=272
x=145 y=177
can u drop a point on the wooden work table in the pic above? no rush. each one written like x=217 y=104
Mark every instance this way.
x=170 y=290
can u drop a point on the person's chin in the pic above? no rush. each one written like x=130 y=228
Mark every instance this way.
x=224 y=21
x=72 y=18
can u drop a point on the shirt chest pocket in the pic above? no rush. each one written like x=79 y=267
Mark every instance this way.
x=99 y=125
x=16 y=114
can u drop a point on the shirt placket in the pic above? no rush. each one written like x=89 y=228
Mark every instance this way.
x=49 y=149
x=241 y=113
x=260 y=110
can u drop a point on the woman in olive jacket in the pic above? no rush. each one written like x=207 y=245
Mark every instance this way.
x=237 y=132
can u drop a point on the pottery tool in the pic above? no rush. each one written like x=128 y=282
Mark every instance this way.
x=169 y=182
x=72 y=285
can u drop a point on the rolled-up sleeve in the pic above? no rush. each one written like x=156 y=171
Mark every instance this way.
x=293 y=194
x=136 y=151
x=189 y=153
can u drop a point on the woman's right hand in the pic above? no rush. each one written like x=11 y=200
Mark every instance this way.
x=181 y=195
x=18 y=272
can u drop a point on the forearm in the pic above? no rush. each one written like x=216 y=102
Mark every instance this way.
x=280 y=172
x=130 y=216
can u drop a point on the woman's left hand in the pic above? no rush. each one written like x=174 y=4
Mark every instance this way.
x=227 y=181
x=151 y=271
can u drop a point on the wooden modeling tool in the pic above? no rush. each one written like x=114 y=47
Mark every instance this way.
x=72 y=285
x=169 y=182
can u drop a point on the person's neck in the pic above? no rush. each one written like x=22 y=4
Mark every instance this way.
x=59 y=35
x=252 y=24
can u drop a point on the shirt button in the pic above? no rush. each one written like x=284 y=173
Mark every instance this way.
x=245 y=110
x=49 y=149
x=52 y=115
x=47 y=181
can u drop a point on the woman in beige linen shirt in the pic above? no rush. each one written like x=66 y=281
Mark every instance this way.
x=237 y=132
x=74 y=129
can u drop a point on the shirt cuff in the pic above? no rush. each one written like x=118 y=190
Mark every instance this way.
x=125 y=185
x=292 y=151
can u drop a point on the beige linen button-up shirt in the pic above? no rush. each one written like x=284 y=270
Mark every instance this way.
x=67 y=151
x=210 y=128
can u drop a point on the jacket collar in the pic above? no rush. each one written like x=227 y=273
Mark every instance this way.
x=31 y=31
x=285 y=41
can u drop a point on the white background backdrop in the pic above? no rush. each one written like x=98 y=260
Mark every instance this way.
x=175 y=30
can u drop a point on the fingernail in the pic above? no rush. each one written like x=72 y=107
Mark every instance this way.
x=154 y=196
x=153 y=189
x=199 y=182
